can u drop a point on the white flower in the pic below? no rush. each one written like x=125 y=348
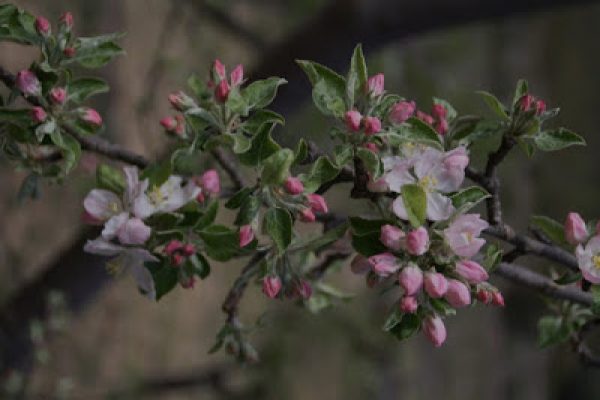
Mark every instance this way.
x=168 y=197
x=130 y=259
x=588 y=258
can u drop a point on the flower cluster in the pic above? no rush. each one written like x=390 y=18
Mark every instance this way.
x=587 y=242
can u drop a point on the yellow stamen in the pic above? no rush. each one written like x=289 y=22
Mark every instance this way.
x=596 y=261
x=428 y=183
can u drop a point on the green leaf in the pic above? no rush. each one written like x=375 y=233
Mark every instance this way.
x=407 y=327
x=262 y=146
x=260 y=94
x=200 y=265
x=157 y=174
x=81 y=89
x=329 y=88
x=248 y=210
x=276 y=168
x=526 y=145
x=17 y=26
x=69 y=147
x=371 y=161
x=521 y=90
x=209 y=215
x=392 y=320
x=470 y=196
x=241 y=143
x=322 y=171
x=557 y=139
x=165 y=278
x=21 y=117
x=325 y=239
x=110 y=178
x=202 y=115
x=477 y=130
x=417 y=131
x=237 y=199
x=361 y=226
x=278 y=225
x=365 y=236
x=451 y=113
x=356 y=81
x=552 y=229
x=301 y=152
x=220 y=242
x=261 y=117
x=415 y=203
x=552 y=330
x=493 y=257
x=494 y=104
x=29 y=188
x=95 y=52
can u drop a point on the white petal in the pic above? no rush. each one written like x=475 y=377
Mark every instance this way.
x=399 y=209
x=134 y=262
x=427 y=161
x=132 y=181
x=439 y=207
x=102 y=247
x=113 y=225
x=143 y=207
x=102 y=204
x=399 y=176
x=134 y=232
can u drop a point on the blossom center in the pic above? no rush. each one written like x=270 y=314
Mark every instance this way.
x=114 y=266
x=596 y=261
x=114 y=207
x=156 y=196
x=428 y=183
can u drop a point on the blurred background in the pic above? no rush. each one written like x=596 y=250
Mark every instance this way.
x=108 y=342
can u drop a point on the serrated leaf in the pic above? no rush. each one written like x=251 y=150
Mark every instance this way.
x=322 y=171
x=557 y=139
x=472 y=195
x=357 y=76
x=494 y=104
x=261 y=93
x=371 y=161
x=278 y=225
x=81 y=89
x=415 y=203
x=554 y=230
x=276 y=168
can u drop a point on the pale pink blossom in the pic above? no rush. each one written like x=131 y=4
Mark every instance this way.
x=411 y=279
x=439 y=111
x=458 y=294
x=91 y=117
x=210 y=182
x=463 y=235
x=58 y=95
x=428 y=119
x=42 y=26
x=392 y=237
x=307 y=215
x=436 y=284
x=384 y=264
x=471 y=271
x=588 y=259
x=67 y=20
x=402 y=111
x=417 y=241
x=219 y=69
x=38 y=115
x=435 y=330
x=181 y=102
x=575 y=229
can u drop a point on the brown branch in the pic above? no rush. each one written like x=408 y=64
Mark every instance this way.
x=493 y=203
x=230 y=165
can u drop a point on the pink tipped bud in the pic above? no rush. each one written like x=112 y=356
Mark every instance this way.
x=360 y=265
x=375 y=84
x=408 y=304
x=317 y=203
x=540 y=107
x=402 y=111
x=271 y=286
x=67 y=21
x=353 y=119
x=417 y=241
x=201 y=198
x=411 y=279
x=436 y=284
x=575 y=229
x=42 y=26
x=435 y=330
x=222 y=91
x=372 y=125
x=498 y=299
x=188 y=283
x=219 y=69
x=169 y=123
x=442 y=127
x=371 y=146
x=189 y=250
x=38 y=115
x=28 y=83
x=246 y=235
x=173 y=246
x=428 y=119
x=177 y=259
x=471 y=271
x=181 y=102
x=526 y=102
x=384 y=264
x=439 y=112
x=92 y=117
x=69 y=52
x=58 y=95
x=303 y=289
x=293 y=185
x=392 y=237
x=484 y=296
x=211 y=182
x=237 y=75
x=458 y=294
x=307 y=215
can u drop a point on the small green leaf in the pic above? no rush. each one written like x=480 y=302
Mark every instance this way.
x=278 y=225
x=322 y=171
x=552 y=330
x=276 y=168
x=326 y=239
x=81 y=89
x=371 y=161
x=329 y=88
x=417 y=131
x=356 y=81
x=494 y=104
x=407 y=327
x=248 y=210
x=415 y=203
x=557 y=139
x=237 y=199
x=392 y=320
x=301 y=152
x=200 y=265
x=95 y=52
x=110 y=178
x=554 y=230
x=260 y=117
x=20 y=117
x=220 y=242
x=165 y=278
x=260 y=94
x=472 y=196
x=520 y=91
x=361 y=226
x=262 y=146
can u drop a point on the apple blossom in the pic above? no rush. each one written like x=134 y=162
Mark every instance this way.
x=435 y=330
x=307 y=215
x=372 y=125
x=439 y=112
x=463 y=234
x=428 y=119
x=375 y=84
x=42 y=26
x=392 y=237
x=458 y=294
x=384 y=264
x=402 y=111
x=417 y=241
x=210 y=182
x=69 y=52
x=317 y=203
x=219 y=69
x=353 y=119
x=498 y=299
x=436 y=284
x=588 y=259
x=484 y=296
x=471 y=271
x=575 y=229
x=38 y=115
x=58 y=95
x=91 y=117
x=28 y=83
x=411 y=279
x=237 y=75
x=67 y=21
x=360 y=265
x=246 y=235
x=271 y=286
x=303 y=289
x=222 y=91
x=293 y=185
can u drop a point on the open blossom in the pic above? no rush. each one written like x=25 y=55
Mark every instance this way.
x=392 y=237
x=411 y=279
x=375 y=84
x=28 y=83
x=436 y=172
x=271 y=286
x=463 y=235
x=384 y=264
x=471 y=271
x=417 y=241
x=129 y=259
x=166 y=198
x=436 y=284
x=575 y=229
x=434 y=330
x=588 y=259
x=458 y=294
x=246 y=235
x=402 y=111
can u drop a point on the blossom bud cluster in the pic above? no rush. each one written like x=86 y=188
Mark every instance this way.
x=587 y=246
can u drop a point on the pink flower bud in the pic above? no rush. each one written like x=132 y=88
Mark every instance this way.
x=69 y=52
x=428 y=119
x=169 y=123
x=442 y=127
x=307 y=215
x=575 y=229
x=439 y=112
x=188 y=282
x=411 y=279
x=58 y=95
x=526 y=102
x=173 y=246
x=408 y=304
x=42 y=26
x=372 y=125
x=293 y=185
x=28 y=83
x=471 y=271
x=92 y=117
x=271 y=286
x=384 y=264
x=375 y=84
x=371 y=146
x=458 y=294
x=211 y=182
x=67 y=21
x=303 y=289
x=200 y=198
x=38 y=115
x=222 y=91
x=402 y=111
x=417 y=241
x=246 y=235
x=353 y=119
x=360 y=265
x=317 y=203
x=89 y=219
x=219 y=69
x=435 y=330
x=436 y=284
x=392 y=237
x=237 y=75
x=540 y=107
x=498 y=299
x=484 y=296
x=180 y=101
x=189 y=250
